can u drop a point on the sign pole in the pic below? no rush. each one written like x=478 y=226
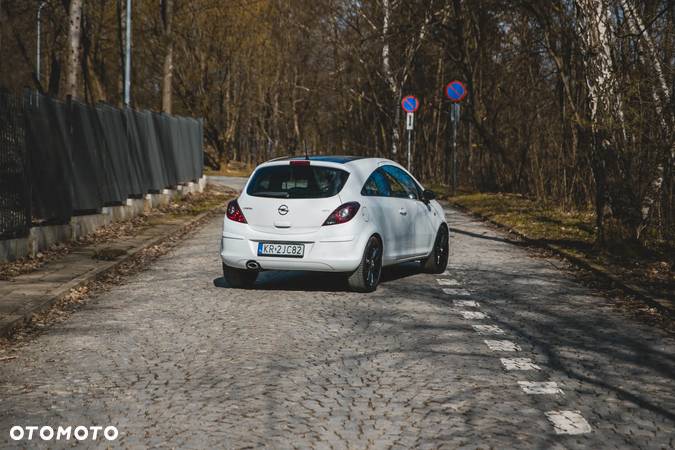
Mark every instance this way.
x=409 y=145
x=410 y=104
x=456 y=92
x=409 y=124
x=455 y=124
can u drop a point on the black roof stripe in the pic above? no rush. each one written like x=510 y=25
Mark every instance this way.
x=338 y=159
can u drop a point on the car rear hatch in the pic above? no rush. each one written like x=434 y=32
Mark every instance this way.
x=292 y=198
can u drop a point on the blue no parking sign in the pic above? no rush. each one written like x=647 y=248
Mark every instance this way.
x=456 y=91
x=410 y=104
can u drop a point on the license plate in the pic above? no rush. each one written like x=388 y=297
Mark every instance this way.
x=281 y=249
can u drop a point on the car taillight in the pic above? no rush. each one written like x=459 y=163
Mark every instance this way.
x=343 y=214
x=234 y=212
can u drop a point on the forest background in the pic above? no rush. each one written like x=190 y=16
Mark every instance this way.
x=570 y=101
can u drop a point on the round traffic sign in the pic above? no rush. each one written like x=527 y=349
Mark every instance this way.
x=456 y=91
x=410 y=104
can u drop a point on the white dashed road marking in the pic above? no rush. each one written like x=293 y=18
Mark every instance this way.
x=568 y=422
x=519 y=364
x=502 y=346
x=473 y=315
x=466 y=303
x=487 y=329
x=456 y=291
x=540 y=387
x=564 y=422
x=448 y=282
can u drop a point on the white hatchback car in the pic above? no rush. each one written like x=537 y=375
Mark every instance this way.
x=332 y=214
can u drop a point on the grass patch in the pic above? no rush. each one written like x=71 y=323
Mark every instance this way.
x=650 y=267
x=533 y=219
x=232 y=169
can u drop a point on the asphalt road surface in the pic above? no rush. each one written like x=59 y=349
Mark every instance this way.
x=504 y=351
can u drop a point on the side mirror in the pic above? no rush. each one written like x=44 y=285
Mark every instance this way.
x=428 y=195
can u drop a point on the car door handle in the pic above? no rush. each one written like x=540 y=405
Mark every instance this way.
x=403 y=212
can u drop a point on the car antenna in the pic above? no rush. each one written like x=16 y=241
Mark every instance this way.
x=304 y=143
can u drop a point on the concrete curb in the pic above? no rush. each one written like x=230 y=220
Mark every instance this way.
x=59 y=293
x=601 y=271
x=43 y=236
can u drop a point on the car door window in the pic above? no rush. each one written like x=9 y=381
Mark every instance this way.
x=397 y=189
x=376 y=185
x=408 y=188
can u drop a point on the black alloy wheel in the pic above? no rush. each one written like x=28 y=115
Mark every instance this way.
x=437 y=261
x=367 y=276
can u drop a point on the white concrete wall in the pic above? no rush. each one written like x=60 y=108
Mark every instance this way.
x=41 y=238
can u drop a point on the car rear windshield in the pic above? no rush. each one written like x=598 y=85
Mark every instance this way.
x=297 y=181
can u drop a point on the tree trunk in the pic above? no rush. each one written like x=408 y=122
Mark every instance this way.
x=604 y=102
x=662 y=101
x=74 y=37
x=167 y=73
x=394 y=89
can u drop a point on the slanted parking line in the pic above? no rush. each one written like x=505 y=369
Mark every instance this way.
x=458 y=292
x=519 y=364
x=502 y=346
x=540 y=387
x=466 y=303
x=487 y=329
x=568 y=422
x=473 y=315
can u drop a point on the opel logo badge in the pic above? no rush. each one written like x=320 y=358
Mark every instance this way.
x=283 y=210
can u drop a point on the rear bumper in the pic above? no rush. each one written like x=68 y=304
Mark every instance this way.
x=337 y=249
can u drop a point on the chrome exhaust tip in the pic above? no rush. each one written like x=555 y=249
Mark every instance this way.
x=252 y=265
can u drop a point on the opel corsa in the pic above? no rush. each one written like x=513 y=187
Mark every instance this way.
x=332 y=214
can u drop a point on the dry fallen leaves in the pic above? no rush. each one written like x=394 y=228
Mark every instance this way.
x=191 y=204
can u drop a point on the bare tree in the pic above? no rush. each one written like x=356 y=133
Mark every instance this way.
x=662 y=101
x=394 y=88
x=604 y=100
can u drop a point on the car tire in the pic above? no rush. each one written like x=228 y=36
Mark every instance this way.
x=239 y=278
x=367 y=276
x=437 y=261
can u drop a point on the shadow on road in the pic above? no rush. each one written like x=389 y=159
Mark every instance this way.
x=484 y=236
x=319 y=281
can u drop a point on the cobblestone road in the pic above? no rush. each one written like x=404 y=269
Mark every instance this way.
x=506 y=351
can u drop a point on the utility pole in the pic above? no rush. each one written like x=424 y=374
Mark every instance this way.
x=127 y=58
x=38 y=51
x=74 y=40
x=167 y=75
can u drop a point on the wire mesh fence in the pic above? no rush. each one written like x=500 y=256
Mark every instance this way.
x=15 y=213
x=58 y=159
